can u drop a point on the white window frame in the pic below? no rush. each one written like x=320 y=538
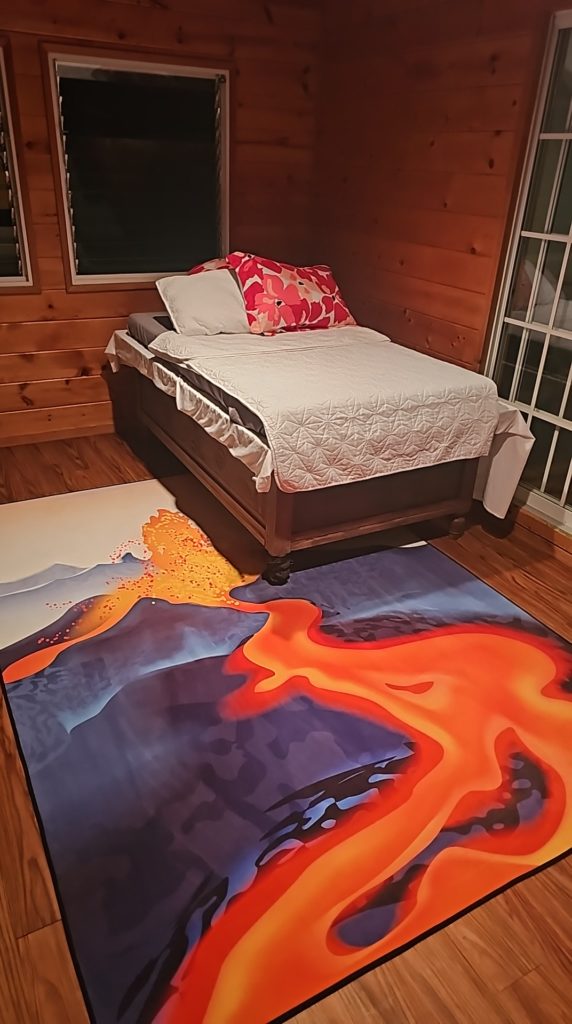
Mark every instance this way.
x=151 y=67
x=23 y=280
x=550 y=508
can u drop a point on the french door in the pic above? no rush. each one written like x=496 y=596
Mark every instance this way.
x=531 y=351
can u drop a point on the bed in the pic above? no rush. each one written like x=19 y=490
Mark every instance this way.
x=216 y=410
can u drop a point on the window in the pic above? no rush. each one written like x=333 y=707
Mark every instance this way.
x=14 y=261
x=531 y=352
x=143 y=154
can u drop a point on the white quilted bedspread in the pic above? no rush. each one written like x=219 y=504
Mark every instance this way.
x=346 y=404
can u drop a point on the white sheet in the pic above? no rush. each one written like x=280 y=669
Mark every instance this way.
x=500 y=471
x=245 y=446
x=346 y=404
x=443 y=412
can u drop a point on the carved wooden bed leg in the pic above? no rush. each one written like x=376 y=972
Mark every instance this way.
x=457 y=526
x=278 y=537
x=278 y=569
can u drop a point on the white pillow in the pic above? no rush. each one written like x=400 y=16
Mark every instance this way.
x=204 y=303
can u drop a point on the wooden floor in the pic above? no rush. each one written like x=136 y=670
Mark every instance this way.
x=509 y=961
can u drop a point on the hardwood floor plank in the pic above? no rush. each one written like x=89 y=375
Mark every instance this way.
x=509 y=959
x=433 y=983
x=15 y=1002
x=54 y=992
x=84 y=468
x=515 y=566
x=542 y=997
x=27 y=882
x=57 y=467
x=547 y=898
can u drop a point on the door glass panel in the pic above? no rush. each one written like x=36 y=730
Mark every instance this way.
x=523 y=277
x=542 y=184
x=529 y=369
x=533 y=355
x=506 y=359
x=563 y=318
x=557 y=114
x=534 y=469
x=560 y=465
x=548 y=282
x=554 y=375
x=563 y=209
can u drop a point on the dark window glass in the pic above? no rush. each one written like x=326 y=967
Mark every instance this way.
x=534 y=469
x=560 y=464
x=506 y=359
x=142 y=155
x=554 y=375
x=563 y=208
x=541 y=186
x=523 y=277
x=558 y=106
x=529 y=369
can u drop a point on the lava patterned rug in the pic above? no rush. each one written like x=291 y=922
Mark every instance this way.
x=250 y=795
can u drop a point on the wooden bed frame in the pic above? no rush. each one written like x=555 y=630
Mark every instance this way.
x=287 y=522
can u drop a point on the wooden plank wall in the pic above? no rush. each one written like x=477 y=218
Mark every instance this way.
x=51 y=343
x=425 y=108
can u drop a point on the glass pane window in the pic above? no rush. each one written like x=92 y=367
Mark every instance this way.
x=549 y=205
x=523 y=277
x=560 y=223
x=563 y=318
x=13 y=263
x=529 y=368
x=531 y=350
x=555 y=373
x=508 y=352
x=543 y=177
x=535 y=280
x=547 y=282
x=536 y=465
x=143 y=157
x=557 y=115
x=560 y=464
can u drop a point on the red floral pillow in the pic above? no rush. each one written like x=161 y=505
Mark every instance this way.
x=219 y=263
x=280 y=297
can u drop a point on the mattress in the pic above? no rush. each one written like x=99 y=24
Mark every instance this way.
x=337 y=406
x=146 y=328
x=243 y=444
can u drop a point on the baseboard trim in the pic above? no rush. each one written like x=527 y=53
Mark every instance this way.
x=15 y=440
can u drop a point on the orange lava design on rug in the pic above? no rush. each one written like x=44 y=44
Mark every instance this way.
x=478 y=703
